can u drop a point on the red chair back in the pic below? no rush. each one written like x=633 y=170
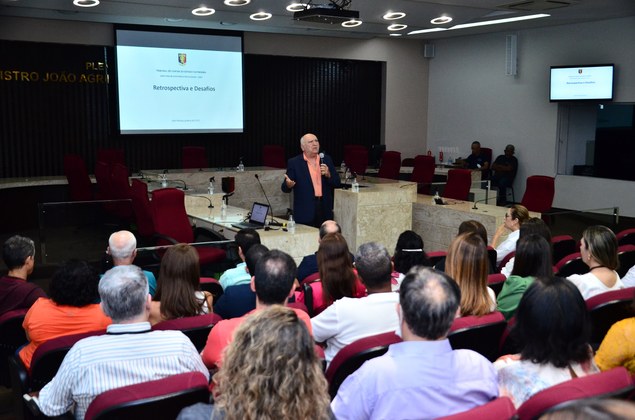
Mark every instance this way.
x=539 y=193
x=423 y=173
x=159 y=399
x=121 y=191
x=196 y=328
x=194 y=157
x=79 y=184
x=500 y=408
x=608 y=308
x=626 y=237
x=170 y=218
x=390 y=165
x=505 y=260
x=356 y=158
x=103 y=176
x=571 y=264
x=141 y=208
x=479 y=333
x=352 y=356
x=12 y=336
x=563 y=245
x=436 y=256
x=626 y=257
x=459 y=184
x=111 y=156
x=496 y=282
x=273 y=156
x=613 y=383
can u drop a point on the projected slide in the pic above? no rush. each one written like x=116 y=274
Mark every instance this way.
x=179 y=83
x=579 y=83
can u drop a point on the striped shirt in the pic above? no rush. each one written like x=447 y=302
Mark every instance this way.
x=128 y=354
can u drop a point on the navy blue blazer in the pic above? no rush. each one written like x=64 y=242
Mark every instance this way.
x=303 y=194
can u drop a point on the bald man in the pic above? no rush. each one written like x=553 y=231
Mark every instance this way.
x=122 y=248
x=312 y=179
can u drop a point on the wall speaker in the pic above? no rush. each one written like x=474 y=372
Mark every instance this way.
x=428 y=50
x=511 y=55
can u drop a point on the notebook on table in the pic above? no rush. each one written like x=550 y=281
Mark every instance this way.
x=257 y=219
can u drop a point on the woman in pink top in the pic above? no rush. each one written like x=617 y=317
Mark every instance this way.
x=71 y=308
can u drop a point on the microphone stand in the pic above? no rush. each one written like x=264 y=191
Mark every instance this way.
x=273 y=222
x=180 y=180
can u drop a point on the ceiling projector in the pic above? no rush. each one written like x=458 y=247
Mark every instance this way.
x=329 y=14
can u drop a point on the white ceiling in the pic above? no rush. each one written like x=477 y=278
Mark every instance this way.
x=419 y=13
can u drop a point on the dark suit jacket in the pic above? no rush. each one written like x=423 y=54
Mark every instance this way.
x=235 y=301
x=303 y=194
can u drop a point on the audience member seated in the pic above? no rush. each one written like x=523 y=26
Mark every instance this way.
x=128 y=354
x=421 y=377
x=476 y=160
x=337 y=276
x=515 y=216
x=618 y=346
x=349 y=319
x=122 y=248
x=309 y=264
x=470 y=226
x=533 y=259
x=467 y=264
x=273 y=284
x=505 y=167
x=18 y=254
x=598 y=248
x=629 y=278
x=70 y=310
x=270 y=371
x=244 y=239
x=178 y=293
x=236 y=301
x=408 y=253
x=553 y=330
x=534 y=225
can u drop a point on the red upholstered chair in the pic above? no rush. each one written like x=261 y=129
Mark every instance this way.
x=196 y=328
x=539 y=193
x=212 y=285
x=423 y=173
x=160 y=399
x=436 y=256
x=120 y=187
x=79 y=184
x=496 y=282
x=606 y=309
x=390 y=165
x=571 y=264
x=171 y=221
x=626 y=237
x=111 y=156
x=103 y=176
x=479 y=333
x=194 y=157
x=563 y=245
x=356 y=158
x=273 y=156
x=459 y=184
x=505 y=260
x=351 y=357
x=311 y=278
x=142 y=209
x=626 y=257
x=12 y=336
x=616 y=382
x=501 y=408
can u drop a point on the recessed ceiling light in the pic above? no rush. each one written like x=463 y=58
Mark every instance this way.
x=296 y=7
x=86 y=3
x=173 y=20
x=394 y=34
x=397 y=27
x=260 y=16
x=441 y=20
x=351 y=23
x=203 y=11
x=237 y=2
x=394 y=15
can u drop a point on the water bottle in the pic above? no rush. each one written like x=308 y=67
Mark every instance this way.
x=355 y=186
x=223 y=211
x=436 y=197
x=210 y=189
x=343 y=167
x=291 y=224
x=241 y=167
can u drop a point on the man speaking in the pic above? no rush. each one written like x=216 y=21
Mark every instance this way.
x=312 y=177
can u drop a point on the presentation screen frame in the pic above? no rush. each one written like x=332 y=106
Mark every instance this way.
x=204 y=85
x=582 y=83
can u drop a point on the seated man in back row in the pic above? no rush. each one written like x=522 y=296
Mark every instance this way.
x=421 y=377
x=505 y=167
x=127 y=354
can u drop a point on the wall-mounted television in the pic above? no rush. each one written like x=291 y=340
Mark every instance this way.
x=582 y=83
x=172 y=81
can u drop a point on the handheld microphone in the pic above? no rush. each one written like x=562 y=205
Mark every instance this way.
x=273 y=222
x=321 y=158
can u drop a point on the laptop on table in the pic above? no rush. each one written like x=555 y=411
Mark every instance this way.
x=257 y=219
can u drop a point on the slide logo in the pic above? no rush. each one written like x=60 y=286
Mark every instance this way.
x=182 y=58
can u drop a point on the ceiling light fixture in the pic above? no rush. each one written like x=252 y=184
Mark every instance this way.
x=499 y=21
x=441 y=20
x=394 y=15
x=425 y=31
x=395 y=34
x=236 y=2
x=296 y=7
x=397 y=27
x=203 y=11
x=86 y=3
x=351 y=23
x=260 y=16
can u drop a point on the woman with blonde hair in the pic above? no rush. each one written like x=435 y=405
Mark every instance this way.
x=466 y=263
x=178 y=292
x=271 y=371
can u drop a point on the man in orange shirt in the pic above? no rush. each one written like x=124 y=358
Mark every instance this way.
x=272 y=281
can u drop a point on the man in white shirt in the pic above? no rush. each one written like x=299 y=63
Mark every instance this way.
x=349 y=319
x=127 y=354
